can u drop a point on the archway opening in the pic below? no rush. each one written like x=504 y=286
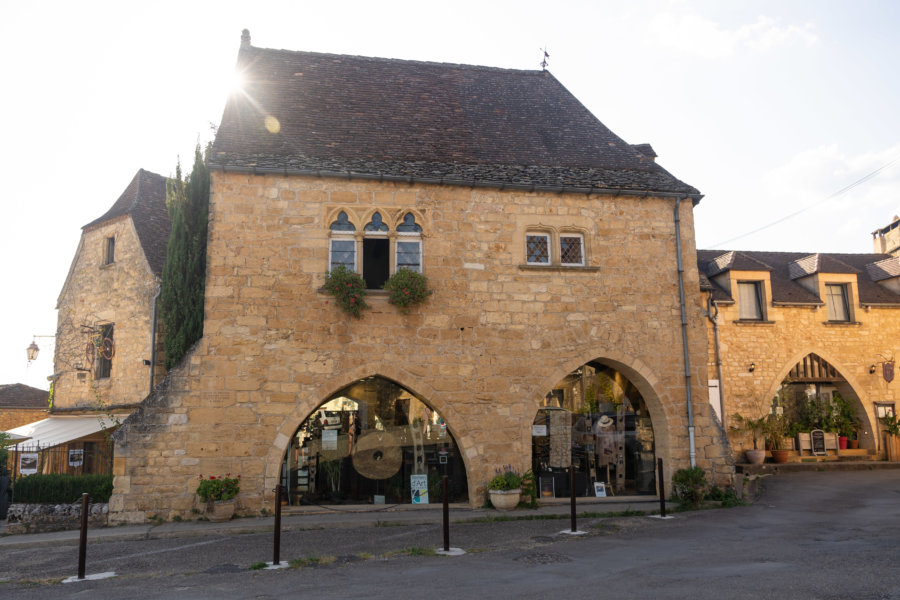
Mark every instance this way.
x=814 y=395
x=373 y=442
x=596 y=421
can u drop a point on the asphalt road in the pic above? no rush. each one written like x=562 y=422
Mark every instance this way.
x=809 y=535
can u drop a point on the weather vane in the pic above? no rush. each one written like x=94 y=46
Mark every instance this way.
x=544 y=62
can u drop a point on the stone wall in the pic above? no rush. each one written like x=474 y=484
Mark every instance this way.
x=10 y=418
x=40 y=518
x=485 y=349
x=94 y=294
x=793 y=332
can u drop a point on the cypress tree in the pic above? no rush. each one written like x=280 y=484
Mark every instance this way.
x=184 y=274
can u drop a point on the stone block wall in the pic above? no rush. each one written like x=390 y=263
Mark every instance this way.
x=41 y=518
x=484 y=350
x=94 y=294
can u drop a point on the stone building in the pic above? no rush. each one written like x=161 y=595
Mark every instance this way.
x=886 y=240
x=105 y=337
x=823 y=325
x=554 y=334
x=21 y=404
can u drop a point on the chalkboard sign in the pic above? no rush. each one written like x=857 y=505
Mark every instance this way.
x=817 y=442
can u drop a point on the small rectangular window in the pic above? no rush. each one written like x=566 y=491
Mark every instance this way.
x=105 y=349
x=110 y=253
x=750 y=300
x=571 y=249
x=409 y=255
x=343 y=253
x=537 y=249
x=837 y=301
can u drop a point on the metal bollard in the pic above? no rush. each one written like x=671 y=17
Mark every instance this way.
x=82 y=544
x=572 y=496
x=446 y=515
x=277 y=550
x=662 y=488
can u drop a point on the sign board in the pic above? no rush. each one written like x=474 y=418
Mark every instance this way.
x=28 y=463
x=538 y=431
x=418 y=485
x=76 y=458
x=329 y=439
x=599 y=489
x=817 y=442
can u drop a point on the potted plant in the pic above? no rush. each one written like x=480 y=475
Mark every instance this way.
x=892 y=436
x=407 y=288
x=505 y=489
x=776 y=428
x=218 y=493
x=756 y=429
x=348 y=289
x=844 y=420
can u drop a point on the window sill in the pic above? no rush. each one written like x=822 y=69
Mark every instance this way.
x=108 y=265
x=752 y=322
x=574 y=268
x=369 y=293
x=841 y=323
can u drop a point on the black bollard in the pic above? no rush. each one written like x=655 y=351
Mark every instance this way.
x=446 y=515
x=662 y=489
x=277 y=551
x=572 y=496
x=82 y=544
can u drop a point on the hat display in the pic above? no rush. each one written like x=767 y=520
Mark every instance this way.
x=605 y=421
x=377 y=454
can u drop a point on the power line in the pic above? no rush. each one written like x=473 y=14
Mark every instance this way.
x=840 y=192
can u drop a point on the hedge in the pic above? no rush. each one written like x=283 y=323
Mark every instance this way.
x=59 y=489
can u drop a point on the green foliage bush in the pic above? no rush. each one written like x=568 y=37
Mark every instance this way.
x=407 y=288
x=689 y=487
x=58 y=489
x=348 y=289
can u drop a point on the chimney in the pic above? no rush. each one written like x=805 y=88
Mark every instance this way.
x=245 y=39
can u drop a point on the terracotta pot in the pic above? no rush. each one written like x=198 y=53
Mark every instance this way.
x=505 y=499
x=755 y=457
x=220 y=510
x=842 y=442
x=779 y=457
x=853 y=444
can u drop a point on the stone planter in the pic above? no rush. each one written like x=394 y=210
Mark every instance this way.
x=505 y=499
x=220 y=511
x=755 y=457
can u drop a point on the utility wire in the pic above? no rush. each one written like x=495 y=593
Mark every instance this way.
x=840 y=192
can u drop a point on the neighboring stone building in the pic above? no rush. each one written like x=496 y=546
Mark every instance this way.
x=549 y=243
x=823 y=323
x=105 y=339
x=21 y=404
x=887 y=239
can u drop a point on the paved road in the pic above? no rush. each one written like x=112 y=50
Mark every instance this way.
x=810 y=535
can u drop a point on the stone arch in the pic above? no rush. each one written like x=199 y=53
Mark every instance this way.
x=310 y=399
x=639 y=374
x=352 y=217
x=852 y=388
x=397 y=219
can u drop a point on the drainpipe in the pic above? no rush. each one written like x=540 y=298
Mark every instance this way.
x=684 y=334
x=153 y=337
x=714 y=319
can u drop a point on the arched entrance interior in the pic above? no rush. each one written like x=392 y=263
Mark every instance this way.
x=595 y=420
x=814 y=395
x=373 y=442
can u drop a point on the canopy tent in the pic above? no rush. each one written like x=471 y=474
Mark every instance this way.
x=54 y=431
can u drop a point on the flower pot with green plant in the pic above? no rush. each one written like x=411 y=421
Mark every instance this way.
x=891 y=437
x=218 y=493
x=348 y=289
x=756 y=429
x=777 y=428
x=505 y=489
x=406 y=289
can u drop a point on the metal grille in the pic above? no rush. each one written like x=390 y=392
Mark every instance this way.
x=570 y=251
x=538 y=249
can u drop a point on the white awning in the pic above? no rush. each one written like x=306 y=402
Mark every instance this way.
x=13 y=439
x=54 y=431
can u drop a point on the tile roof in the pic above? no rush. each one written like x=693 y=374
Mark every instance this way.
x=19 y=395
x=884 y=269
x=786 y=267
x=145 y=201
x=335 y=115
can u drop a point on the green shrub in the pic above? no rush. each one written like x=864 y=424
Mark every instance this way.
x=689 y=487
x=508 y=480
x=407 y=288
x=348 y=289
x=58 y=488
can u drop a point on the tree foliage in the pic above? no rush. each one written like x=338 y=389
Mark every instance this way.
x=184 y=274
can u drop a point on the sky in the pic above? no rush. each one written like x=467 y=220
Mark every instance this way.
x=784 y=114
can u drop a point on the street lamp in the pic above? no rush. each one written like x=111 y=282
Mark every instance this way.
x=33 y=349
